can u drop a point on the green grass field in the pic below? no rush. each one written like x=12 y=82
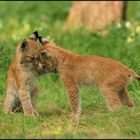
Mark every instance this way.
x=18 y=20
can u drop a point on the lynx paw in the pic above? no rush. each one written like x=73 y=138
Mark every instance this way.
x=34 y=113
x=75 y=115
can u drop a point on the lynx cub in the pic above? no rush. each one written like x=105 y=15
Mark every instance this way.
x=110 y=76
x=21 y=86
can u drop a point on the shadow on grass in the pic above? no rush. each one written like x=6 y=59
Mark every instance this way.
x=56 y=112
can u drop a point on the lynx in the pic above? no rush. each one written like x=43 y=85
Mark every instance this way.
x=22 y=90
x=109 y=75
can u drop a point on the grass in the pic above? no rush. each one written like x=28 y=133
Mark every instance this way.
x=122 y=44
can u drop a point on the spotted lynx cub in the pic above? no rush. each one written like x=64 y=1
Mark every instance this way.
x=21 y=85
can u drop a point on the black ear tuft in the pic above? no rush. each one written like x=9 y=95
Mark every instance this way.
x=42 y=40
x=34 y=35
x=24 y=46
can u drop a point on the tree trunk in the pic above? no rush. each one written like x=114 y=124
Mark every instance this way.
x=95 y=15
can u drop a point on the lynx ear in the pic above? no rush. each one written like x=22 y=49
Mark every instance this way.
x=34 y=35
x=42 y=40
x=24 y=46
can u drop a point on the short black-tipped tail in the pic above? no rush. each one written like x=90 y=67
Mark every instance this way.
x=137 y=78
x=133 y=74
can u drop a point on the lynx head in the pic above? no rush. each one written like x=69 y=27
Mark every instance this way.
x=26 y=53
x=48 y=55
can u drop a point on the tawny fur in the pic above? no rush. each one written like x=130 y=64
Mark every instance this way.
x=22 y=89
x=110 y=76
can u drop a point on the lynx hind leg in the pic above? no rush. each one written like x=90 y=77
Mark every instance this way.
x=112 y=88
x=111 y=98
x=125 y=99
x=9 y=102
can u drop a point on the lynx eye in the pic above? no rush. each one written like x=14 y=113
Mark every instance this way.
x=33 y=58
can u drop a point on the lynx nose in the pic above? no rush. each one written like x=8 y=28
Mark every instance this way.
x=40 y=65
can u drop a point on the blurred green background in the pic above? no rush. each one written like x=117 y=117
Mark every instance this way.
x=18 y=20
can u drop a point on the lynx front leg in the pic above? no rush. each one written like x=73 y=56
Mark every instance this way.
x=75 y=102
x=73 y=94
x=26 y=102
x=34 y=96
